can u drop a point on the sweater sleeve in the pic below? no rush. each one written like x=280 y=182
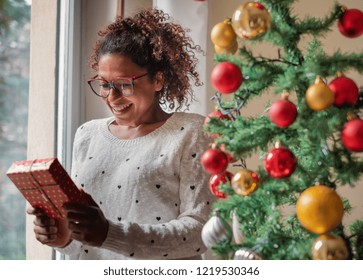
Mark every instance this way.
x=179 y=238
x=72 y=249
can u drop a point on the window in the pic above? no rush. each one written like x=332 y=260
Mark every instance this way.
x=14 y=85
x=62 y=38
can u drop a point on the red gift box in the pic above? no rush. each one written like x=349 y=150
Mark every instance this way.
x=45 y=184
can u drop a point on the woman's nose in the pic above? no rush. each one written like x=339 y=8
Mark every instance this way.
x=114 y=93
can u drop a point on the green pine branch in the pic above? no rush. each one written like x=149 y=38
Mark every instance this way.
x=317 y=62
x=357 y=238
x=314 y=138
x=319 y=27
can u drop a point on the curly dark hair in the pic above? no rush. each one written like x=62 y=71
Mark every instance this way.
x=151 y=40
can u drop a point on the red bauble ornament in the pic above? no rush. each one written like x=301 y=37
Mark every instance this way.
x=280 y=162
x=218 y=179
x=214 y=161
x=352 y=135
x=345 y=90
x=226 y=77
x=283 y=112
x=351 y=23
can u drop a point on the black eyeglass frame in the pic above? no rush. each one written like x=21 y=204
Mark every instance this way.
x=112 y=84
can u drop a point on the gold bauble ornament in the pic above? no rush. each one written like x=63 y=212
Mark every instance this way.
x=229 y=50
x=329 y=247
x=319 y=209
x=251 y=20
x=245 y=182
x=319 y=96
x=223 y=35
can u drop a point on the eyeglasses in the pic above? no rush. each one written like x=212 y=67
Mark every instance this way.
x=122 y=85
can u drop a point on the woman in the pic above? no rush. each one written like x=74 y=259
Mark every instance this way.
x=148 y=193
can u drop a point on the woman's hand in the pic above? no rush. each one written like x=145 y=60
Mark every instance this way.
x=86 y=223
x=49 y=231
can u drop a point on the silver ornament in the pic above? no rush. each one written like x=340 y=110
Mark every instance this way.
x=246 y=254
x=216 y=230
x=237 y=233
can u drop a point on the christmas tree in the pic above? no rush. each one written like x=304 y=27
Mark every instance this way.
x=310 y=141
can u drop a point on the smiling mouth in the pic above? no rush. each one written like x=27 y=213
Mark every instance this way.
x=119 y=109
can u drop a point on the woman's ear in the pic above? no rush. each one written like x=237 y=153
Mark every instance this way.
x=159 y=81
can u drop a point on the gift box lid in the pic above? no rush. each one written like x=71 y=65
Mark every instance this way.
x=45 y=184
x=38 y=172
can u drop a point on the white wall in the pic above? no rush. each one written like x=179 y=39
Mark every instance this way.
x=42 y=100
x=193 y=15
x=132 y=7
x=96 y=15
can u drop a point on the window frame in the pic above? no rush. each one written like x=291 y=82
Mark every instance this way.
x=59 y=100
x=62 y=39
x=69 y=105
x=43 y=93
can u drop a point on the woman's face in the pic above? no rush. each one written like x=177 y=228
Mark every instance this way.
x=142 y=106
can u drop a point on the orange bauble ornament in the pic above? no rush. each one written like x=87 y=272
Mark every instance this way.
x=251 y=20
x=319 y=96
x=319 y=209
x=227 y=50
x=245 y=182
x=223 y=35
x=329 y=247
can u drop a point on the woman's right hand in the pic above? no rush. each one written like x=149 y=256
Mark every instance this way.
x=54 y=233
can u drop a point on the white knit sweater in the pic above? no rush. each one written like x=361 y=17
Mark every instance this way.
x=152 y=189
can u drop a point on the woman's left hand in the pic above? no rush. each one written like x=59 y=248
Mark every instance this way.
x=87 y=222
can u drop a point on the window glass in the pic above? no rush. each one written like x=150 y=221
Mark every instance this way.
x=14 y=87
